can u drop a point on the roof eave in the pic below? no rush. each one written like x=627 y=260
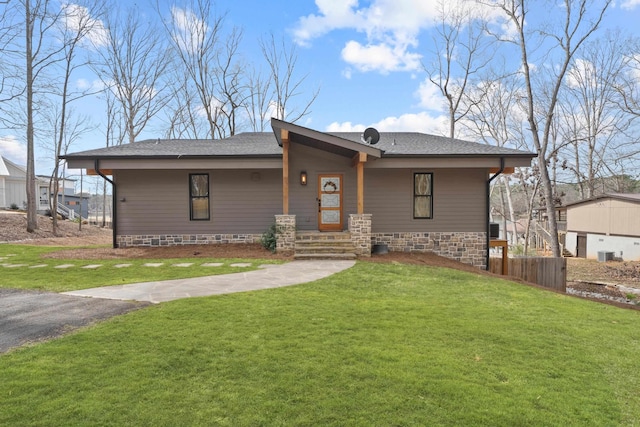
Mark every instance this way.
x=171 y=157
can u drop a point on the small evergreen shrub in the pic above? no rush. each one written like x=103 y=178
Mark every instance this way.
x=14 y=206
x=270 y=238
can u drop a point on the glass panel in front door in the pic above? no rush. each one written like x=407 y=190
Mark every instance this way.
x=330 y=201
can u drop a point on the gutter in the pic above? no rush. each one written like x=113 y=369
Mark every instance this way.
x=497 y=174
x=114 y=205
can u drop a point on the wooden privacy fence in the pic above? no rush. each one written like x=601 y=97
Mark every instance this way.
x=544 y=271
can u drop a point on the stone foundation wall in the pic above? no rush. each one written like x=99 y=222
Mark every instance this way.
x=286 y=233
x=185 y=239
x=360 y=229
x=469 y=248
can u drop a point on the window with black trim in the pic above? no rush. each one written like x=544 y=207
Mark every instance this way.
x=422 y=195
x=199 y=196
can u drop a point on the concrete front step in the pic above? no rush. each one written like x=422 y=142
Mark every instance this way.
x=325 y=245
x=324 y=236
x=317 y=249
x=345 y=256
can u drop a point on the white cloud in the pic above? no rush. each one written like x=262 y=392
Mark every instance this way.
x=581 y=72
x=430 y=96
x=381 y=57
x=630 y=4
x=13 y=150
x=78 y=19
x=191 y=30
x=410 y=122
x=96 y=85
x=391 y=28
x=333 y=14
x=345 y=127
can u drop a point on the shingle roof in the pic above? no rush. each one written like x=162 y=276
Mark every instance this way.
x=420 y=144
x=264 y=144
x=254 y=144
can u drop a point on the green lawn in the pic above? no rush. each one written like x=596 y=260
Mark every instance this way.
x=374 y=345
x=60 y=280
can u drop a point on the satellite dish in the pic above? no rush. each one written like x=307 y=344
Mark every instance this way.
x=371 y=136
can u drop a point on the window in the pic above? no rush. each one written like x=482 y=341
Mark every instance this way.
x=199 y=196
x=422 y=196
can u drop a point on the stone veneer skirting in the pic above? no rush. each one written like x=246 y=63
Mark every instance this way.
x=285 y=234
x=469 y=248
x=360 y=229
x=184 y=239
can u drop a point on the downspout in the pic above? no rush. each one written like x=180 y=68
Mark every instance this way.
x=497 y=174
x=114 y=205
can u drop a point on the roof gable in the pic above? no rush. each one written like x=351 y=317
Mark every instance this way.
x=3 y=168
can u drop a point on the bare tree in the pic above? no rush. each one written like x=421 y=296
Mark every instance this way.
x=593 y=125
x=462 y=51
x=285 y=84
x=133 y=66
x=498 y=120
x=75 y=25
x=257 y=103
x=9 y=67
x=210 y=83
x=40 y=21
x=580 y=19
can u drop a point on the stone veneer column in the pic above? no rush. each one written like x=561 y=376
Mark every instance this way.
x=285 y=233
x=360 y=229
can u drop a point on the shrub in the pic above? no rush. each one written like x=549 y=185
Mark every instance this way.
x=270 y=237
x=14 y=206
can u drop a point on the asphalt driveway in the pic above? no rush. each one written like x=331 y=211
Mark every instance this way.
x=31 y=316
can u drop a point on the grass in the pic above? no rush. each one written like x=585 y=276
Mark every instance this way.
x=374 y=345
x=61 y=280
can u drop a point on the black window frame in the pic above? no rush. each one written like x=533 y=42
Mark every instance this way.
x=192 y=197
x=427 y=196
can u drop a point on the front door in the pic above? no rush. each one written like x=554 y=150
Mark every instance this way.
x=330 y=202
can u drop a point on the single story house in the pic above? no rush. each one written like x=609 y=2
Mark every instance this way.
x=609 y=223
x=410 y=191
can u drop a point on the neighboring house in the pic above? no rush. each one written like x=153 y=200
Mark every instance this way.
x=13 y=190
x=411 y=191
x=67 y=197
x=607 y=223
x=13 y=184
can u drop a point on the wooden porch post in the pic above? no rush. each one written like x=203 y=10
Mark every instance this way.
x=359 y=161
x=284 y=135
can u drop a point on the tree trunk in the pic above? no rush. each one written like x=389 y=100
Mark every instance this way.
x=32 y=214
x=552 y=224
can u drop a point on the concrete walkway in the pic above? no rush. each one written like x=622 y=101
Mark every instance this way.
x=269 y=276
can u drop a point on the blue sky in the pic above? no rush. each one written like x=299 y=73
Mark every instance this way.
x=365 y=57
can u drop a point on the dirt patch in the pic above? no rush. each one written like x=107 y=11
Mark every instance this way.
x=13 y=228
x=625 y=273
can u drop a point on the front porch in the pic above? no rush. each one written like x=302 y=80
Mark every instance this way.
x=349 y=244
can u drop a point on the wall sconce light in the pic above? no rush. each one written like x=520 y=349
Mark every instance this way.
x=303 y=178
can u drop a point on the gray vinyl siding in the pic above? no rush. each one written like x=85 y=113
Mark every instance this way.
x=459 y=195
x=303 y=199
x=157 y=201
x=459 y=200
